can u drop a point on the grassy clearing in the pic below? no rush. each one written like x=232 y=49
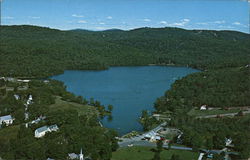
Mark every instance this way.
x=195 y=112
x=64 y=105
x=145 y=153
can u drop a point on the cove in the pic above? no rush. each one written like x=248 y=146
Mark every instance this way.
x=129 y=89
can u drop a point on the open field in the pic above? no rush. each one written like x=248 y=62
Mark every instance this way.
x=146 y=153
x=64 y=105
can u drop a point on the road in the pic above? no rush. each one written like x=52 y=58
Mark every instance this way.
x=150 y=144
x=223 y=115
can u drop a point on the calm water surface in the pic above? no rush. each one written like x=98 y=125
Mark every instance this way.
x=129 y=89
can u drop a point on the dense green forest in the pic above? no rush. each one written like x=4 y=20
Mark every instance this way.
x=77 y=119
x=39 y=52
x=216 y=88
x=31 y=51
x=222 y=88
x=211 y=133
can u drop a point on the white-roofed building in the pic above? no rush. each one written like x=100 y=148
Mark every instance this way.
x=17 y=97
x=40 y=132
x=8 y=119
x=203 y=107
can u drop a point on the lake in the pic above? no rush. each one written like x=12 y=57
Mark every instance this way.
x=129 y=89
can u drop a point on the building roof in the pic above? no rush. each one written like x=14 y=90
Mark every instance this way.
x=5 y=118
x=53 y=127
x=41 y=129
x=73 y=156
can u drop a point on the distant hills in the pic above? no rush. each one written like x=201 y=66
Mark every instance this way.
x=40 y=52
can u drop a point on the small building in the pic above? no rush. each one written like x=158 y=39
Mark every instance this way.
x=10 y=79
x=24 y=80
x=38 y=120
x=179 y=139
x=17 y=97
x=40 y=132
x=8 y=119
x=26 y=115
x=228 y=142
x=72 y=156
x=30 y=97
x=46 y=81
x=29 y=101
x=53 y=128
x=76 y=156
x=203 y=107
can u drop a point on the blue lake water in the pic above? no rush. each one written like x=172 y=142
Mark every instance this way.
x=129 y=89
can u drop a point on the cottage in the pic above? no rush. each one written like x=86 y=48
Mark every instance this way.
x=53 y=128
x=228 y=141
x=6 y=119
x=30 y=97
x=203 y=107
x=17 y=97
x=73 y=156
x=38 y=120
x=29 y=101
x=24 y=81
x=76 y=156
x=40 y=132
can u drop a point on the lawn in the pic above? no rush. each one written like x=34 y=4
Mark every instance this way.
x=64 y=105
x=145 y=153
x=195 y=112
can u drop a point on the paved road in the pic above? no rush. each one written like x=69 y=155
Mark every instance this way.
x=223 y=115
x=151 y=144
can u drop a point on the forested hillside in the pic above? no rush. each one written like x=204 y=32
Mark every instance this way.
x=219 y=88
x=39 y=52
x=77 y=119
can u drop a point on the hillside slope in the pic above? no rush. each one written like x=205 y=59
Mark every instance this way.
x=39 y=52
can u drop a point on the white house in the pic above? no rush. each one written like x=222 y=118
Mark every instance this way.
x=30 y=97
x=152 y=136
x=40 y=132
x=17 y=97
x=38 y=120
x=6 y=119
x=29 y=101
x=228 y=141
x=203 y=107
x=24 y=80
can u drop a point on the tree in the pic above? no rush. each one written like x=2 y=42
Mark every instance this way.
x=209 y=143
x=218 y=157
x=110 y=108
x=169 y=145
x=175 y=157
x=110 y=118
x=196 y=142
x=240 y=113
x=159 y=145
x=242 y=144
x=157 y=156
x=218 y=141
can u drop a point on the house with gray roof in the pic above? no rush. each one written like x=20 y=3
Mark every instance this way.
x=8 y=119
x=40 y=132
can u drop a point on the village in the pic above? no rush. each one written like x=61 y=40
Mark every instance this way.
x=162 y=132
x=9 y=120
